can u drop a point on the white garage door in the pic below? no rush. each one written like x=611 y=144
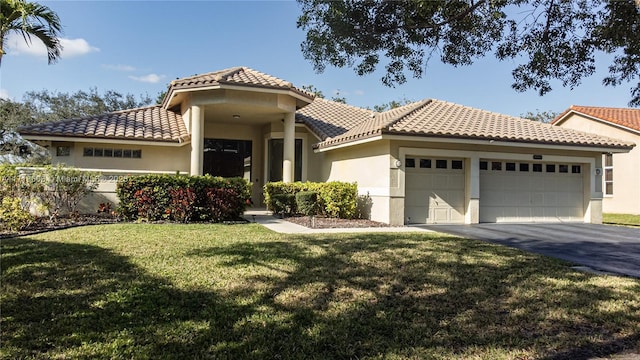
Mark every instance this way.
x=434 y=191
x=530 y=192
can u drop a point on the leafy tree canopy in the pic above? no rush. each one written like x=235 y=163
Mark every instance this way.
x=547 y=39
x=541 y=116
x=30 y=19
x=45 y=106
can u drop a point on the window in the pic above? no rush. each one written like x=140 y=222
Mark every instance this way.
x=537 y=167
x=496 y=165
x=410 y=163
x=425 y=163
x=575 y=169
x=456 y=164
x=510 y=166
x=608 y=174
x=551 y=168
x=524 y=167
x=63 y=150
x=119 y=153
x=484 y=165
x=563 y=168
x=276 y=156
x=441 y=164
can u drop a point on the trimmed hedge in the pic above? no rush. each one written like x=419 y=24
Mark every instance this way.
x=335 y=198
x=182 y=198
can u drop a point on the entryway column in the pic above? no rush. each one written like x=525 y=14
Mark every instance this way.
x=288 y=160
x=197 y=139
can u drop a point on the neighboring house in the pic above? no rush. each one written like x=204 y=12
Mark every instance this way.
x=621 y=171
x=430 y=161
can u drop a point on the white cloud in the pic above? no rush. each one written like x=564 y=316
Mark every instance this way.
x=119 y=67
x=358 y=92
x=4 y=94
x=150 y=78
x=16 y=45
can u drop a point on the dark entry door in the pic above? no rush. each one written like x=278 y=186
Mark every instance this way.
x=227 y=158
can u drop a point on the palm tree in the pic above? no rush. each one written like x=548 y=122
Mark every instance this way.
x=31 y=19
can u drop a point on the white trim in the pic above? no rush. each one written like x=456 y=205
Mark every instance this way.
x=501 y=143
x=342 y=145
x=588 y=172
x=105 y=141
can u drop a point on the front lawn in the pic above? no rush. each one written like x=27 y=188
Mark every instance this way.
x=621 y=219
x=144 y=291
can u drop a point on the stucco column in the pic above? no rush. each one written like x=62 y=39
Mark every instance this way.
x=288 y=159
x=197 y=139
x=472 y=186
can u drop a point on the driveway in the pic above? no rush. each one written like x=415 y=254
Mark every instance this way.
x=613 y=249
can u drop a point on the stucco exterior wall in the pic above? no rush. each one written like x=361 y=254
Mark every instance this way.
x=626 y=166
x=370 y=166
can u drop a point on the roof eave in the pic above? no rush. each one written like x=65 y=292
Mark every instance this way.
x=184 y=140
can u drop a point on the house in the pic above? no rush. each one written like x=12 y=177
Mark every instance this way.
x=430 y=161
x=621 y=171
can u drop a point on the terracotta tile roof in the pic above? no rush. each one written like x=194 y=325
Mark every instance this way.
x=148 y=124
x=436 y=118
x=242 y=76
x=329 y=118
x=629 y=118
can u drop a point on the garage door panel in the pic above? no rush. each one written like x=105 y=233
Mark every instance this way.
x=527 y=196
x=434 y=195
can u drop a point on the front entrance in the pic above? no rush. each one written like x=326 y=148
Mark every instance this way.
x=227 y=158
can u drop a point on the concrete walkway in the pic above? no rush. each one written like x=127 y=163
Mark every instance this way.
x=266 y=219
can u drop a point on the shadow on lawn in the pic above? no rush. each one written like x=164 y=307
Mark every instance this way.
x=309 y=297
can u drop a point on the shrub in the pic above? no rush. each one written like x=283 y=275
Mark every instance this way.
x=12 y=216
x=335 y=199
x=284 y=204
x=169 y=195
x=307 y=202
x=64 y=187
x=182 y=204
x=223 y=204
x=340 y=199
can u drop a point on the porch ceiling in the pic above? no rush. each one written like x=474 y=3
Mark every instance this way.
x=242 y=114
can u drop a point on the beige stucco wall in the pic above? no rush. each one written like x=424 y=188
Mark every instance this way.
x=370 y=166
x=626 y=167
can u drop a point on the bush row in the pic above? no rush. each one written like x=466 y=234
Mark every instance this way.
x=333 y=199
x=55 y=190
x=182 y=198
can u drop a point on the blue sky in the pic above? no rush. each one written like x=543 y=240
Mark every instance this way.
x=139 y=47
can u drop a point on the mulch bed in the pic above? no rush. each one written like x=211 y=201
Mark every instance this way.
x=320 y=222
x=43 y=224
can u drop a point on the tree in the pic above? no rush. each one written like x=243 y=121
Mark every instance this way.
x=44 y=106
x=541 y=116
x=391 y=105
x=313 y=90
x=31 y=19
x=553 y=39
x=53 y=106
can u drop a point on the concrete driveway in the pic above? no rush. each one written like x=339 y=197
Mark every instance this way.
x=613 y=249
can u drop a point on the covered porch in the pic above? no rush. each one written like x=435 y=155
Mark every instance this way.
x=242 y=130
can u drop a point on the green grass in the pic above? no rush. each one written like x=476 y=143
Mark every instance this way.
x=621 y=219
x=143 y=291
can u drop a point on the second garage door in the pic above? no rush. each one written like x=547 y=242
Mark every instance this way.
x=434 y=191
x=530 y=192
